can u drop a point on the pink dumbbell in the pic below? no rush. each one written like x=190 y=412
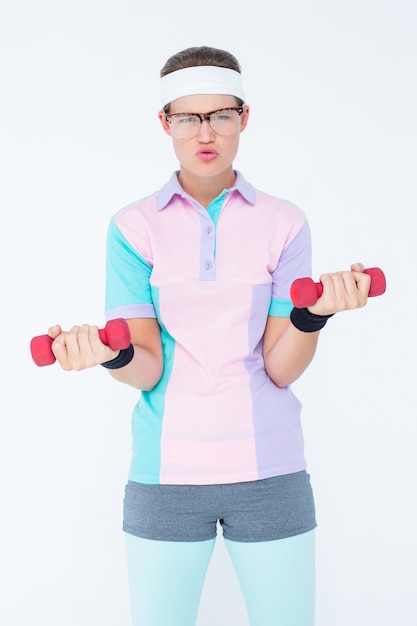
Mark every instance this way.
x=305 y=292
x=115 y=334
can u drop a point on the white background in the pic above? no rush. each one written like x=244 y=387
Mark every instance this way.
x=332 y=87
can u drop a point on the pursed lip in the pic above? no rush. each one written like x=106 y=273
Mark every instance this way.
x=207 y=154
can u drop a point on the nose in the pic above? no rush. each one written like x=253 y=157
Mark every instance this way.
x=206 y=132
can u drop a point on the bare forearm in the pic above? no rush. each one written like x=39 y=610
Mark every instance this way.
x=289 y=351
x=290 y=356
x=143 y=372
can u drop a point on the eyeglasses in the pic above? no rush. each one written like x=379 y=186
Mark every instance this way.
x=222 y=121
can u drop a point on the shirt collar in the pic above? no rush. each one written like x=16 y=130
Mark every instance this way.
x=173 y=188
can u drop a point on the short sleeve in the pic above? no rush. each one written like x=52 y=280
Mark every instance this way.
x=128 y=290
x=294 y=262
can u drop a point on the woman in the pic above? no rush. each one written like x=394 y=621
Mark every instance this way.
x=202 y=271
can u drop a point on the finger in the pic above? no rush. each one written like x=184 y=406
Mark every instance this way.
x=341 y=290
x=356 y=285
x=82 y=351
x=83 y=340
x=363 y=283
x=332 y=285
x=72 y=345
x=349 y=281
x=90 y=346
x=54 y=331
x=59 y=349
x=102 y=352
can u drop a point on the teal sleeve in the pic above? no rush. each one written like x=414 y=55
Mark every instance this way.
x=280 y=308
x=128 y=289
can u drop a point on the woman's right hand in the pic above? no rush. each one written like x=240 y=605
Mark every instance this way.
x=80 y=347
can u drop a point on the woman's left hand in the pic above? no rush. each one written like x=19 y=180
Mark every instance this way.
x=343 y=291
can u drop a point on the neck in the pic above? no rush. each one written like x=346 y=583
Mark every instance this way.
x=203 y=189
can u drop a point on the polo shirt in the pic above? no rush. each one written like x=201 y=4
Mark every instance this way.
x=211 y=276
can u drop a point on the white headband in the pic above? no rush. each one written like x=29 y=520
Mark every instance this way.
x=201 y=79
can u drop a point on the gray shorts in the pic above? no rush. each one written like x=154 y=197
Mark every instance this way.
x=261 y=510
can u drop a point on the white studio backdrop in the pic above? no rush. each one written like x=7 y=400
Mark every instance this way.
x=332 y=86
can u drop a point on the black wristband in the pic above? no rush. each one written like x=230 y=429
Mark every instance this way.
x=306 y=321
x=123 y=358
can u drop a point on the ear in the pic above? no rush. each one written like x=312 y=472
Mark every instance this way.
x=244 y=118
x=164 y=123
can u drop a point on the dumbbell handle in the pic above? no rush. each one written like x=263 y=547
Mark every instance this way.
x=115 y=334
x=305 y=292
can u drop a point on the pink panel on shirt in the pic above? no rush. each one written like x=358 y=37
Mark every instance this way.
x=196 y=425
x=268 y=227
x=173 y=252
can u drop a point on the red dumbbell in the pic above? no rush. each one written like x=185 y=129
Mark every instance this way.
x=115 y=334
x=305 y=292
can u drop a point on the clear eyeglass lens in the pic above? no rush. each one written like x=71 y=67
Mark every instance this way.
x=185 y=126
x=224 y=122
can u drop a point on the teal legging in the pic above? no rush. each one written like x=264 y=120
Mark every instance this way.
x=276 y=577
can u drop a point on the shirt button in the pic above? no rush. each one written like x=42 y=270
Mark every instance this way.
x=208 y=265
x=209 y=229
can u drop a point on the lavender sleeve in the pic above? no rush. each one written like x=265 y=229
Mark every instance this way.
x=294 y=262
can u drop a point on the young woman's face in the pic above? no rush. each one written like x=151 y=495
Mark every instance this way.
x=208 y=153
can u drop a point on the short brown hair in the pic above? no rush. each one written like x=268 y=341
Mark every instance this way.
x=202 y=55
